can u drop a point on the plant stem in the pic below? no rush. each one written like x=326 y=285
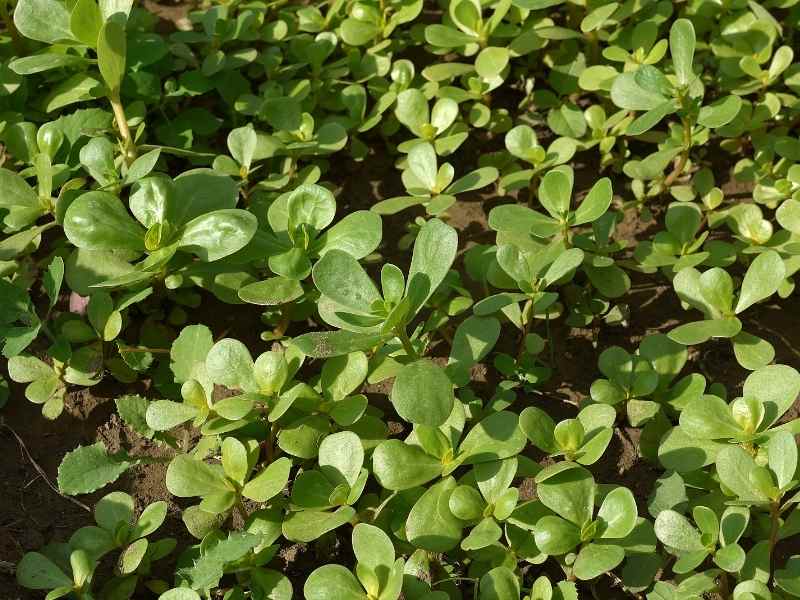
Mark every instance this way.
x=445 y=580
x=526 y=325
x=684 y=157
x=271 y=443
x=594 y=47
x=531 y=191
x=565 y=233
x=283 y=324
x=401 y=334
x=774 y=512
x=128 y=145
x=550 y=341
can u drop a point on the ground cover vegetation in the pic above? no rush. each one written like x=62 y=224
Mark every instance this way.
x=382 y=299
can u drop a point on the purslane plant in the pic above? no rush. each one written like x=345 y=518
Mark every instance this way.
x=659 y=95
x=367 y=317
x=377 y=573
x=568 y=490
x=192 y=214
x=432 y=186
x=712 y=292
x=429 y=422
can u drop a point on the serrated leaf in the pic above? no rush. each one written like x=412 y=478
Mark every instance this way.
x=132 y=409
x=88 y=468
x=209 y=567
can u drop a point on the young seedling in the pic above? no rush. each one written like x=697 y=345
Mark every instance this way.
x=521 y=142
x=223 y=487
x=366 y=317
x=708 y=424
x=718 y=537
x=378 y=575
x=437 y=125
x=712 y=293
x=569 y=490
x=487 y=507
x=433 y=187
x=207 y=226
x=648 y=89
x=583 y=439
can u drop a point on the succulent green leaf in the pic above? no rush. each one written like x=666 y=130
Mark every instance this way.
x=568 y=491
x=341 y=456
x=782 y=454
x=340 y=277
x=111 y=54
x=43 y=20
x=37 y=572
x=617 y=513
x=675 y=530
x=495 y=437
x=187 y=477
x=709 y=418
x=681 y=47
x=218 y=234
x=422 y=393
x=734 y=467
x=430 y=524
x=501 y=583
x=99 y=221
x=556 y=536
x=269 y=482
x=400 y=466
x=308 y=525
x=595 y=559
x=333 y=581
x=433 y=254
x=761 y=280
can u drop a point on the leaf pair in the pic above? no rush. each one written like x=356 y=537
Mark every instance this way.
x=648 y=89
x=692 y=546
x=116 y=528
x=205 y=224
x=712 y=292
x=534 y=271
x=222 y=486
x=377 y=576
x=754 y=484
x=351 y=301
x=199 y=364
x=399 y=465
x=339 y=480
x=436 y=125
x=679 y=246
x=569 y=490
x=492 y=503
x=300 y=221
x=583 y=439
x=20 y=204
x=431 y=186
x=522 y=143
x=708 y=423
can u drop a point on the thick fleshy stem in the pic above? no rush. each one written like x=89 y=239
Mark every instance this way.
x=128 y=145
